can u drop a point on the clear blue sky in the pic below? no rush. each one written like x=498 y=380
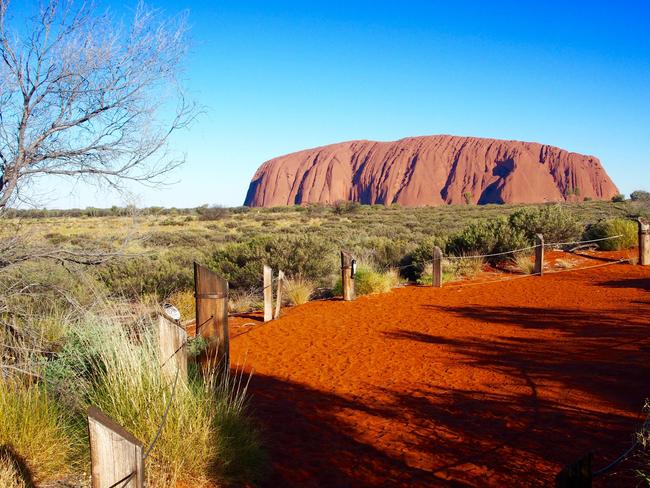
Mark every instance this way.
x=276 y=77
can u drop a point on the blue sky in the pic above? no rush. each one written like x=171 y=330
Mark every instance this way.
x=276 y=77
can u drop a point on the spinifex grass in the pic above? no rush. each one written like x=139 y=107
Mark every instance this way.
x=118 y=369
x=299 y=290
x=34 y=428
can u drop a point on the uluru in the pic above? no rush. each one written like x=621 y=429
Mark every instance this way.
x=430 y=170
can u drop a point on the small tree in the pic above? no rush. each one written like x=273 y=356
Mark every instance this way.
x=81 y=96
x=640 y=195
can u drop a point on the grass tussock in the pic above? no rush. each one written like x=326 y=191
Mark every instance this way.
x=242 y=301
x=117 y=369
x=34 y=428
x=298 y=290
x=368 y=280
x=564 y=264
x=454 y=270
x=524 y=263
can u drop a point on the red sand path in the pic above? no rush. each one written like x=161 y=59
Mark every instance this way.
x=497 y=384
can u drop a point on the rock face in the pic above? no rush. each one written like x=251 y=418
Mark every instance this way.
x=430 y=170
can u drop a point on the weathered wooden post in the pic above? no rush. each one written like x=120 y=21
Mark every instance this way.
x=347 y=275
x=278 y=297
x=539 y=255
x=644 y=242
x=116 y=456
x=268 y=293
x=211 y=295
x=436 y=272
x=173 y=354
x=576 y=475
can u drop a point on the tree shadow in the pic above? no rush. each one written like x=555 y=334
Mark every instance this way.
x=640 y=284
x=19 y=465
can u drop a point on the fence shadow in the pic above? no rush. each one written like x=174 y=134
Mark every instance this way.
x=19 y=464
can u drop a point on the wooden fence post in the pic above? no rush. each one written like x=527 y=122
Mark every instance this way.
x=116 y=456
x=576 y=475
x=211 y=295
x=436 y=272
x=644 y=242
x=347 y=276
x=539 y=255
x=268 y=293
x=173 y=354
x=278 y=297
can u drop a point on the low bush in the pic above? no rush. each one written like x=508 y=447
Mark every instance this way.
x=555 y=222
x=627 y=229
x=487 y=237
x=299 y=290
x=308 y=256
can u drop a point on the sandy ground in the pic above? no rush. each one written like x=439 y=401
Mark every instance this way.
x=497 y=384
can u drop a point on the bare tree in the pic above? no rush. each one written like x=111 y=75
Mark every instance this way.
x=84 y=96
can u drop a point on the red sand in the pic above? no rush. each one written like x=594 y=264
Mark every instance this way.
x=497 y=384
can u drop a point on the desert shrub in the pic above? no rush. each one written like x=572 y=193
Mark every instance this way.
x=487 y=237
x=556 y=222
x=627 y=229
x=385 y=252
x=299 y=290
x=35 y=428
x=345 y=207
x=214 y=212
x=308 y=256
x=413 y=264
x=618 y=198
x=640 y=195
x=159 y=274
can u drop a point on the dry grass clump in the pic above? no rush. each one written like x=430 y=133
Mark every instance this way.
x=564 y=263
x=524 y=263
x=35 y=428
x=9 y=475
x=454 y=269
x=185 y=302
x=242 y=301
x=298 y=290
x=117 y=369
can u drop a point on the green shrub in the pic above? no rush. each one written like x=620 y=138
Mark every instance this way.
x=627 y=229
x=414 y=263
x=308 y=256
x=618 y=198
x=487 y=237
x=158 y=274
x=555 y=222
